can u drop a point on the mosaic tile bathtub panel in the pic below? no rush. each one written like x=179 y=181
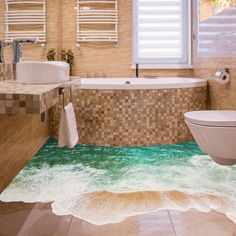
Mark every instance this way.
x=108 y=184
x=133 y=117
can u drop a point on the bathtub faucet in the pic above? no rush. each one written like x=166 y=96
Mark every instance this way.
x=137 y=70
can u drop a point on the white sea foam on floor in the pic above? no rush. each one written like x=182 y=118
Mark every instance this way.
x=94 y=193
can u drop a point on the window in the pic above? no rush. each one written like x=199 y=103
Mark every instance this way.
x=161 y=33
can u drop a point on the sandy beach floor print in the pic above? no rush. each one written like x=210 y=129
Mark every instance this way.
x=109 y=184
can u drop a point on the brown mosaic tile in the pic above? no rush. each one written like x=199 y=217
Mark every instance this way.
x=16 y=98
x=22 y=103
x=2 y=96
x=28 y=104
x=132 y=117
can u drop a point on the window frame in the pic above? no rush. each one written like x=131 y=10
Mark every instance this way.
x=166 y=63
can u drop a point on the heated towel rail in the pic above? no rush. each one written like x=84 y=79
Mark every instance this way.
x=97 y=21
x=25 y=19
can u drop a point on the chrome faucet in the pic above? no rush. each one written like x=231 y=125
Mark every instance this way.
x=17 y=52
x=2 y=45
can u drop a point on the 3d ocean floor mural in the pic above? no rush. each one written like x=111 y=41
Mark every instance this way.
x=108 y=184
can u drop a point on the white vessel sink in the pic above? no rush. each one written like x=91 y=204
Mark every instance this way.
x=39 y=72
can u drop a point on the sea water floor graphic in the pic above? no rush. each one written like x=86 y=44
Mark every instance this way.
x=108 y=184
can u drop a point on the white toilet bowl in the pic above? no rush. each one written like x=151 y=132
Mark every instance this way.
x=215 y=133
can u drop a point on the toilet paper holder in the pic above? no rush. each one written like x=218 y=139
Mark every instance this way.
x=222 y=75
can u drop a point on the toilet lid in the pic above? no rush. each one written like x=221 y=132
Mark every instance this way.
x=222 y=118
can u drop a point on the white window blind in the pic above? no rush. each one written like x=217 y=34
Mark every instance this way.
x=161 y=32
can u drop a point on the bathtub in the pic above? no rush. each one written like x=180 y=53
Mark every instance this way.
x=141 y=83
x=134 y=112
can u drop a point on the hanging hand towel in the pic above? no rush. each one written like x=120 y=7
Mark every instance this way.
x=68 y=135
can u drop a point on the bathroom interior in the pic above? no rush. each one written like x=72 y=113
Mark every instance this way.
x=117 y=117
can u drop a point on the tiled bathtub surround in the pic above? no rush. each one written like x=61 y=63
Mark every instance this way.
x=132 y=117
x=6 y=72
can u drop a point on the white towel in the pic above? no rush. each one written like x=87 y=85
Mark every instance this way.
x=68 y=135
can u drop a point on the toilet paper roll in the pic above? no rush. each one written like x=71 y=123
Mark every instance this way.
x=222 y=77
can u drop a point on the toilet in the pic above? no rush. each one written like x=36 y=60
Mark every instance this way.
x=215 y=133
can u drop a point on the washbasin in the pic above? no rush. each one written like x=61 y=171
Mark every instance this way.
x=39 y=72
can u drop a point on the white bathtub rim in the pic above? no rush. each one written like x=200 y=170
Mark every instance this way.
x=139 y=83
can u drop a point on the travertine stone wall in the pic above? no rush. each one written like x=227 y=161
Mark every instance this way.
x=133 y=117
x=219 y=96
x=99 y=58
x=36 y=52
x=106 y=58
x=91 y=58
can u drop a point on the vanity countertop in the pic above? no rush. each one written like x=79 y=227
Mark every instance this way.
x=16 y=98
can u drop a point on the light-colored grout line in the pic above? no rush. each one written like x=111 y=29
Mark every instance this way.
x=172 y=223
x=29 y=218
x=69 y=225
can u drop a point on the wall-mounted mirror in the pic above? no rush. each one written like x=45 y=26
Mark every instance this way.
x=217 y=28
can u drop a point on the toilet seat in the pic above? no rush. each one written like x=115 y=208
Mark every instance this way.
x=217 y=118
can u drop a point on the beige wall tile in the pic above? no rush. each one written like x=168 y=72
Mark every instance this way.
x=36 y=52
x=220 y=96
x=91 y=58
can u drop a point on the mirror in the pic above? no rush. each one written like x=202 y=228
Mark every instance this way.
x=217 y=28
